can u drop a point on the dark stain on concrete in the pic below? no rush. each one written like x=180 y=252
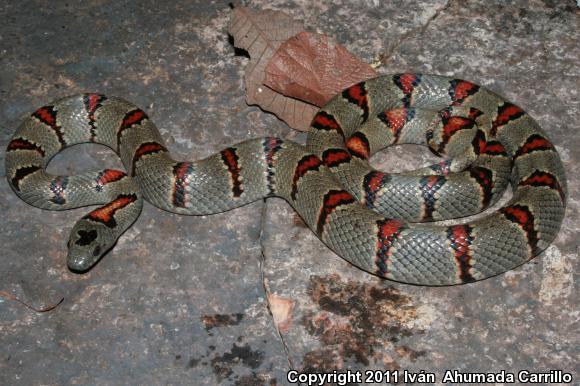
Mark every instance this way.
x=223 y=365
x=193 y=362
x=220 y=320
x=357 y=321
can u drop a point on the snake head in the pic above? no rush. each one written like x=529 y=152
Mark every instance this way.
x=88 y=242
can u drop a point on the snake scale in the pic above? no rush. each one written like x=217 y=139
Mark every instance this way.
x=374 y=220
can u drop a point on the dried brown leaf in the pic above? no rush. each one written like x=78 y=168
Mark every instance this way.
x=313 y=68
x=261 y=34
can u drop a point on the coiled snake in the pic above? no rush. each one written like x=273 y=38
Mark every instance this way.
x=366 y=216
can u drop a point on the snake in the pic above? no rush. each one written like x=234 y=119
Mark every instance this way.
x=384 y=223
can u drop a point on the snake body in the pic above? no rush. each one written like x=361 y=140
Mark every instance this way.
x=370 y=218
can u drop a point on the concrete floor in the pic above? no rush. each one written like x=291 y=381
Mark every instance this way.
x=187 y=300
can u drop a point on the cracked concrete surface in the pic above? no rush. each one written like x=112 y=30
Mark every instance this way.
x=242 y=297
x=417 y=31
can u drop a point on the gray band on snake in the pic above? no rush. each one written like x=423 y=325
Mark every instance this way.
x=368 y=217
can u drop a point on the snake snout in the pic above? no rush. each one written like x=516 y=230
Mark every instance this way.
x=79 y=264
x=82 y=258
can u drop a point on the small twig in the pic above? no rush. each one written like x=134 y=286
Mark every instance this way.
x=8 y=296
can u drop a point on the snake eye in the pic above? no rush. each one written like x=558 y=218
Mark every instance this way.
x=97 y=250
